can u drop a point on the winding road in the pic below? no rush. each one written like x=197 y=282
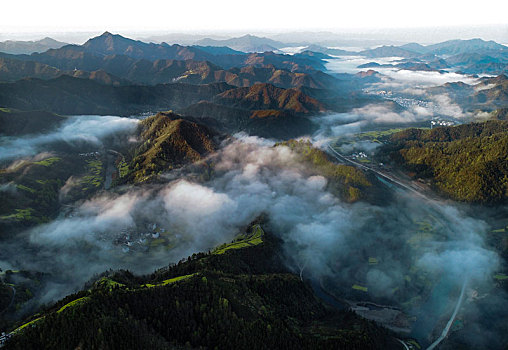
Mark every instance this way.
x=403 y=344
x=397 y=182
x=450 y=321
x=385 y=176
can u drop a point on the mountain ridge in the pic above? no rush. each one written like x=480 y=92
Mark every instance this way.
x=28 y=47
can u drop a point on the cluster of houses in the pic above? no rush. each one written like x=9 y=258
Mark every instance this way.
x=90 y=154
x=383 y=93
x=4 y=337
x=359 y=155
x=130 y=238
x=437 y=122
x=411 y=102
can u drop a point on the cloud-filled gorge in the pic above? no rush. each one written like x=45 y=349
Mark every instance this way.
x=328 y=241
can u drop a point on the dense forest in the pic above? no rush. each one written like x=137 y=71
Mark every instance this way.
x=467 y=162
x=237 y=296
x=166 y=141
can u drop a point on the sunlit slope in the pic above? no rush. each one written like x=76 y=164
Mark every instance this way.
x=167 y=141
x=467 y=162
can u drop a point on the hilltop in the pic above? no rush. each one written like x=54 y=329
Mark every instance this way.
x=167 y=141
x=246 y=43
x=267 y=96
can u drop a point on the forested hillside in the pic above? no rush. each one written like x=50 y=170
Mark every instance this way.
x=167 y=141
x=467 y=162
x=239 y=296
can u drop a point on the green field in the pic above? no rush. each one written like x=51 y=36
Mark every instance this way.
x=19 y=215
x=123 y=168
x=255 y=238
x=25 y=188
x=169 y=281
x=73 y=303
x=48 y=161
x=373 y=136
x=500 y=276
x=108 y=283
x=360 y=288
x=95 y=177
x=28 y=324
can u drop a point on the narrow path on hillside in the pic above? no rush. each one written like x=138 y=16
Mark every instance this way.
x=404 y=186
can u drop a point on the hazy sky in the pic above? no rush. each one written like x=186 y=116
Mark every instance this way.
x=225 y=15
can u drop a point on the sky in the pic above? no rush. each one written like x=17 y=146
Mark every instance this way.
x=233 y=15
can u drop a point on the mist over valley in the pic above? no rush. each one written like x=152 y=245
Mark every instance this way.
x=294 y=193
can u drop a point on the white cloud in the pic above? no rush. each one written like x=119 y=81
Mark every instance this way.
x=76 y=129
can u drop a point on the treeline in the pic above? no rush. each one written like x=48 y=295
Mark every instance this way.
x=467 y=162
x=212 y=309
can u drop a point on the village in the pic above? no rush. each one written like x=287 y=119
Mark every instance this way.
x=143 y=237
x=4 y=337
x=440 y=122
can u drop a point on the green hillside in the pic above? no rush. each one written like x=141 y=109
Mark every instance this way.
x=467 y=162
x=239 y=298
x=166 y=141
x=34 y=189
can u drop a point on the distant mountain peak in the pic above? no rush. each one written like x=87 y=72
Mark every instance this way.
x=105 y=36
x=367 y=73
x=28 y=47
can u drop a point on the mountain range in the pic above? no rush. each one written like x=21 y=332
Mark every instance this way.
x=14 y=122
x=123 y=70
x=150 y=63
x=109 y=44
x=193 y=112
x=489 y=94
x=28 y=47
x=68 y=95
x=246 y=43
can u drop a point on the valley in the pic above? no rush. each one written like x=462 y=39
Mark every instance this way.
x=262 y=194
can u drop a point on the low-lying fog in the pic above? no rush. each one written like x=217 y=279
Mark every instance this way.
x=75 y=130
x=409 y=237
